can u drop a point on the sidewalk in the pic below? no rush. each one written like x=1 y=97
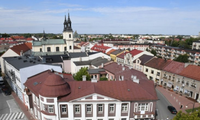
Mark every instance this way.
x=177 y=100
x=23 y=107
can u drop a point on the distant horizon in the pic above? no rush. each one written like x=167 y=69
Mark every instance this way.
x=101 y=34
x=172 y=17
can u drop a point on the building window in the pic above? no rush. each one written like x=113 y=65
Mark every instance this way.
x=112 y=108
x=89 y=109
x=57 y=49
x=152 y=72
x=169 y=77
x=146 y=70
x=50 y=108
x=70 y=47
x=100 y=108
x=124 y=108
x=65 y=48
x=48 y=49
x=77 y=109
x=64 y=109
x=40 y=49
x=70 y=35
x=143 y=107
x=158 y=73
x=151 y=78
x=43 y=107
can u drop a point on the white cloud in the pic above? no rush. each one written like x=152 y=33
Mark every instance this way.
x=102 y=20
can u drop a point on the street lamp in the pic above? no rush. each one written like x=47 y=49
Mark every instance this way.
x=193 y=106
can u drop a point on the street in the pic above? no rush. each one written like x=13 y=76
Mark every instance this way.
x=9 y=109
x=161 y=105
x=4 y=108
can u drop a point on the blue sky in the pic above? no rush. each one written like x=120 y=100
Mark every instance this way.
x=101 y=16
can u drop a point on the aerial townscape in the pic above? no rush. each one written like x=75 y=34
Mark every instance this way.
x=98 y=76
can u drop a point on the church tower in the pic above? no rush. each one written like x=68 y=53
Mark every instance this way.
x=68 y=34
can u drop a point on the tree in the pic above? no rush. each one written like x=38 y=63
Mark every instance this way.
x=153 y=52
x=103 y=79
x=182 y=58
x=5 y=35
x=187 y=116
x=80 y=73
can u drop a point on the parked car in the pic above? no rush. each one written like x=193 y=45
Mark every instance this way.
x=172 y=109
x=6 y=90
x=1 y=81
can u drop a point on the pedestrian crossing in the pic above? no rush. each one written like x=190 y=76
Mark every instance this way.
x=12 y=116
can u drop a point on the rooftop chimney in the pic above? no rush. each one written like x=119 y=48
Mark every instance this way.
x=84 y=77
x=21 y=53
x=102 y=65
x=123 y=68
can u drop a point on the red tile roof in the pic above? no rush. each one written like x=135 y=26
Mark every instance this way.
x=49 y=84
x=29 y=39
x=191 y=71
x=18 y=37
x=158 y=63
x=9 y=38
x=121 y=90
x=100 y=48
x=134 y=52
x=174 y=67
x=22 y=47
x=127 y=73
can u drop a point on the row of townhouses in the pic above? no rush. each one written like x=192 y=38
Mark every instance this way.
x=182 y=78
x=171 y=53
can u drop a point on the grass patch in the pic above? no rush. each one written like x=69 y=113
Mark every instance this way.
x=190 y=110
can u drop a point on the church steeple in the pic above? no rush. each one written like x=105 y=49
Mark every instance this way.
x=69 y=18
x=44 y=36
x=67 y=24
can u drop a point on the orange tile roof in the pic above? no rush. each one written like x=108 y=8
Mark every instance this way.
x=22 y=47
x=112 y=50
x=191 y=71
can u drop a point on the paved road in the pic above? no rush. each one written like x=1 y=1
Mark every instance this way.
x=9 y=110
x=4 y=108
x=161 y=105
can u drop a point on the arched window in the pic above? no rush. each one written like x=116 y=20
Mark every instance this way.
x=70 y=47
x=135 y=107
x=70 y=35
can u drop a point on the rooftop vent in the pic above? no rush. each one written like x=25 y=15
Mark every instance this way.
x=35 y=83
